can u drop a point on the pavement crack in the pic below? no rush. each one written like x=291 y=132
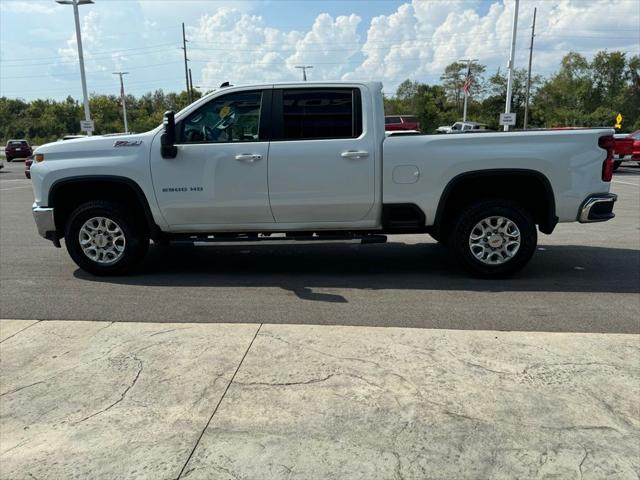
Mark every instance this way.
x=286 y=384
x=122 y=395
x=215 y=410
x=167 y=331
x=20 y=388
x=586 y=454
x=20 y=331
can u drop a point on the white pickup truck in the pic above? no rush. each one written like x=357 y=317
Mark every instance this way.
x=309 y=162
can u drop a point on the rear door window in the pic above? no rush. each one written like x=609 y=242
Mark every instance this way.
x=317 y=113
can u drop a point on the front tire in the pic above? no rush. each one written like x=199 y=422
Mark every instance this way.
x=104 y=239
x=494 y=238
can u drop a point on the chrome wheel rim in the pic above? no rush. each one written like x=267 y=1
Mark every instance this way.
x=102 y=240
x=494 y=240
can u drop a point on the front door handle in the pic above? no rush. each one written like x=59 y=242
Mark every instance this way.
x=354 y=154
x=248 y=157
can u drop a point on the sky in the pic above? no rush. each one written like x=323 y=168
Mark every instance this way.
x=244 y=41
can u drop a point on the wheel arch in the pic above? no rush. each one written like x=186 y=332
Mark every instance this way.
x=68 y=193
x=522 y=184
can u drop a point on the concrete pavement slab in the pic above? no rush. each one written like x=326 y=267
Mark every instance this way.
x=102 y=400
x=9 y=328
x=363 y=403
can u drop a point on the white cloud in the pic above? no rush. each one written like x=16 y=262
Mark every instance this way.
x=91 y=32
x=241 y=48
x=420 y=38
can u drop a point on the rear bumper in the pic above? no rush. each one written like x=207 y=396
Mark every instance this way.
x=597 y=208
x=43 y=217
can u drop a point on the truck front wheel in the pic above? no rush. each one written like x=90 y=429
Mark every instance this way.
x=103 y=238
x=494 y=238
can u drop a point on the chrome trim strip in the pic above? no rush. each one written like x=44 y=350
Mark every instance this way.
x=592 y=201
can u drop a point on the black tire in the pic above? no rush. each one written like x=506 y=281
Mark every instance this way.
x=472 y=216
x=616 y=165
x=135 y=237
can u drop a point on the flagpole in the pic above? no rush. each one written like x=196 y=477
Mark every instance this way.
x=467 y=86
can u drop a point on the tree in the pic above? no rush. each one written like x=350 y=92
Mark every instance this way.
x=453 y=79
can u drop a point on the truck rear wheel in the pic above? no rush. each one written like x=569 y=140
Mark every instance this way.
x=494 y=238
x=103 y=238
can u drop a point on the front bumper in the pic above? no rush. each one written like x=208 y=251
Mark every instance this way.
x=43 y=217
x=597 y=208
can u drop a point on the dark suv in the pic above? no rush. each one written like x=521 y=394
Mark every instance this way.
x=17 y=149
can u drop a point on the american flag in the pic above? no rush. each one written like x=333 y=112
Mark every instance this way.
x=468 y=81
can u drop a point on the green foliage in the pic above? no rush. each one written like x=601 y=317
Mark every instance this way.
x=580 y=94
x=41 y=121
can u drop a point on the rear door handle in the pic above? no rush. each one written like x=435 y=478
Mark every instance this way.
x=248 y=157
x=354 y=154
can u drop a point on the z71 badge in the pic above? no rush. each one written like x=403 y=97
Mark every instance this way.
x=127 y=143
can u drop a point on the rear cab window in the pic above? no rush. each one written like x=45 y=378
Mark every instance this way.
x=317 y=113
x=391 y=120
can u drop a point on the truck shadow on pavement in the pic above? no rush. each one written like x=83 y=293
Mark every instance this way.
x=425 y=266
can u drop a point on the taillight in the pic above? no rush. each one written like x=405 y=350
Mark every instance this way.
x=607 y=142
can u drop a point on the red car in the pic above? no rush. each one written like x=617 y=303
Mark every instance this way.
x=17 y=149
x=635 y=150
x=401 y=122
x=626 y=146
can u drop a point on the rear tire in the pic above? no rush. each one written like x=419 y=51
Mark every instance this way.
x=104 y=239
x=494 y=238
x=616 y=165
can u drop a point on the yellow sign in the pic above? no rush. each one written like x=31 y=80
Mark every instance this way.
x=618 y=121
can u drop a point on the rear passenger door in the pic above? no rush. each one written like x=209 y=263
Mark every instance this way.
x=321 y=158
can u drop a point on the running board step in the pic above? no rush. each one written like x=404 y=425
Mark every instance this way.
x=215 y=242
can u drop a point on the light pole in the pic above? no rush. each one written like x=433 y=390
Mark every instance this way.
x=507 y=108
x=124 y=100
x=304 y=71
x=75 y=3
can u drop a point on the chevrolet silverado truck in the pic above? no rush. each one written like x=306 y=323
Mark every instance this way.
x=310 y=163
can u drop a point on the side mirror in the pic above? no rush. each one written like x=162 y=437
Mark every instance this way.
x=168 y=147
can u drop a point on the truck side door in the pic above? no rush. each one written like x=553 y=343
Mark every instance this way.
x=322 y=156
x=219 y=175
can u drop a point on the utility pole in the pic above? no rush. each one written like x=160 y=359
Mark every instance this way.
x=190 y=83
x=186 y=69
x=83 y=79
x=507 y=108
x=526 y=105
x=304 y=70
x=467 y=85
x=124 y=101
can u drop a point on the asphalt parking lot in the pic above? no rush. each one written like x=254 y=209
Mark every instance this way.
x=584 y=278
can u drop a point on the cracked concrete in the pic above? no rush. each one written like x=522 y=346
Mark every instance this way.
x=120 y=404
x=150 y=401
x=362 y=403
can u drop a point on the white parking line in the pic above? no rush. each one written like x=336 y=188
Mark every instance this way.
x=626 y=183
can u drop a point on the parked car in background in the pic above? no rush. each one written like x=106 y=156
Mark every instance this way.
x=635 y=149
x=626 y=147
x=17 y=149
x=462 y=127
x=401 y=122
x=27 y=166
